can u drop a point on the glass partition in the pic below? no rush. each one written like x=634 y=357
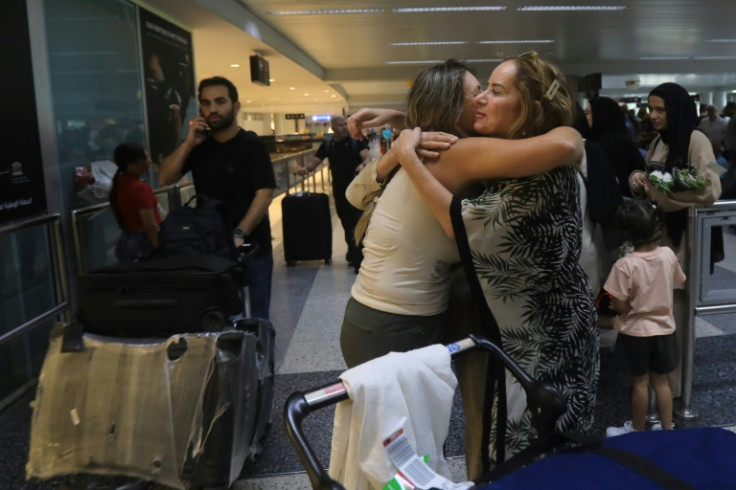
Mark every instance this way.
x=27 y=291
x=95 y=78
x=717 y=270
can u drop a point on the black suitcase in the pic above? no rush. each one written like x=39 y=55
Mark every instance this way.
x=158 y=298
x=307 y=226
x=184 y=411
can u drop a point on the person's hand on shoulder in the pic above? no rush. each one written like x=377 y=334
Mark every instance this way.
x=373 y=118
x=433 y=142
x=407 y=143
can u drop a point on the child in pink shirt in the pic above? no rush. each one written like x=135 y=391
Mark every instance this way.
x=640 y=285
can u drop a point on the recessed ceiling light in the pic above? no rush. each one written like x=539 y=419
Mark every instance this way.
x=519 y=41
x=570 y=8
x=409 y=10
x=429 y=43
x=327 y=91
x=325 y=11
x=235 y=65
x=333 y=95
x=427 y=62
x=271 y=79
x=292 y=88
x=306 y=95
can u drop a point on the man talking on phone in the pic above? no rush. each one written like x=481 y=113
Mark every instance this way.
x=232 y=165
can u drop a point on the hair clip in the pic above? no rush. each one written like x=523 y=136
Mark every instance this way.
x=553 y=89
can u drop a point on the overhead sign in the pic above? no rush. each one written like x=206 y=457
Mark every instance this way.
x=295 y=116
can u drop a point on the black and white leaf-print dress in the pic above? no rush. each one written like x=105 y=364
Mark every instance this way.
x=525 y=237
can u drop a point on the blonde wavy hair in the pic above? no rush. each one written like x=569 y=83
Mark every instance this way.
x=434 y=103
x=543 y=107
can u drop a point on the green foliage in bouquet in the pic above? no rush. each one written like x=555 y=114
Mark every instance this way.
x=685 y=179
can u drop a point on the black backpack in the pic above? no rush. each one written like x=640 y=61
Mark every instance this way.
x=200 y=230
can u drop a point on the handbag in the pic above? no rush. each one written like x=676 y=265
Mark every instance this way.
x=199 y=230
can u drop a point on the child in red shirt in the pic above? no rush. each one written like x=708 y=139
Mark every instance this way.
x=134 y=204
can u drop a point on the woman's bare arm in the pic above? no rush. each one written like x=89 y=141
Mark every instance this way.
x=431 y=144
x=374 y=118
x=472 y=159
x=434 y=194
x=150 y=227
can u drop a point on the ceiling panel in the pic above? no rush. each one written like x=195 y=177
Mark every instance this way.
x=354 y=54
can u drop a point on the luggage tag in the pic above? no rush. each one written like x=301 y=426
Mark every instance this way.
x=414 y=473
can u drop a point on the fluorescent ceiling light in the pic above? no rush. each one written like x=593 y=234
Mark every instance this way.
x=426 y=62
x=714 y=58
x=411 y=10
x=520 y=41
x=722 y=40
x=325 y=11
x=486 y=60
x=428 y=43
x=570 y=8
x=664 y=58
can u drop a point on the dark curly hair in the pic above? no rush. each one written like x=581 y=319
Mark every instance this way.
x=640 y=222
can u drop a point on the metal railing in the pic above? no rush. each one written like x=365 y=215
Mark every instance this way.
x=702 y=299
x=284 y=167
x=61 y=280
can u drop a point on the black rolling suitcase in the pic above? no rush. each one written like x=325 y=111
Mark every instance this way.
x=158 y=298
x=307 y=225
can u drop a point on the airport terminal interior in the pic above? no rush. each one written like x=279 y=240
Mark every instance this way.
x=80 y=88
x=307 y=308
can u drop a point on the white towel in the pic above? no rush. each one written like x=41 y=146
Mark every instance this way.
x=413 y=390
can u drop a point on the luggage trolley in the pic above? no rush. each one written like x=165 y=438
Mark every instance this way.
x=186 y=409
x=545 y=402
x=681 y=459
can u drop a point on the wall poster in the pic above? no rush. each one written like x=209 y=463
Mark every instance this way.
x=166 y=51
x=22 y=187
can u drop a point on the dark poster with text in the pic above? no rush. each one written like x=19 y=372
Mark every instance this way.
x=22 y=189
x=166 y=51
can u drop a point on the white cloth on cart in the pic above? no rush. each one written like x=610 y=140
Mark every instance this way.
x=411 y=390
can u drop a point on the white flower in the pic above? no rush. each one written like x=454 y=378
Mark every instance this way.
x=663 y=176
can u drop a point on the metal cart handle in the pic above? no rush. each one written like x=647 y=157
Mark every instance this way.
x=544 y=401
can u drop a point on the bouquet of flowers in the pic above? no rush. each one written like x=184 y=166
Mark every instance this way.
x=687 y=178
x=662 y=180
x=684 y=179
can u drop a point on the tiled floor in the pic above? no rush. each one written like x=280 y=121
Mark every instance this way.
x=307 y=307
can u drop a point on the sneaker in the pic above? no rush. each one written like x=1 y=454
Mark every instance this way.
x=617 y=431
x=658 y=426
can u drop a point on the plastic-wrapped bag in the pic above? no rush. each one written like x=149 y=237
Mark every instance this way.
x=98 y=180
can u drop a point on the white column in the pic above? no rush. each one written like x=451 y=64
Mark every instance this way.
x=719 y=100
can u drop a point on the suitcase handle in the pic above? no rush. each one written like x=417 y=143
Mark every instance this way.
x=145 y=303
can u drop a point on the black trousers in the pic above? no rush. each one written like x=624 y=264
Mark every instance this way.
x=349 y=216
